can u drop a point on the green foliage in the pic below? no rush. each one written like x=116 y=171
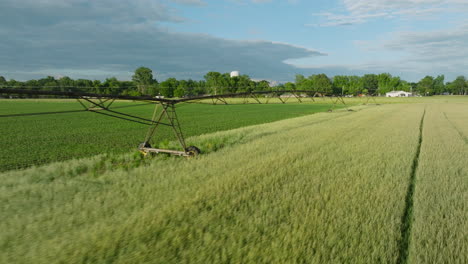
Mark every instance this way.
x=370 y=82
x=439 y=85
x=355 y=84
x=459 y=86
x=179 y=92
x=289 y=86
x=404 y=86
x=341 y=84
x=143 y=78
x=263 y=86
x=321 y=82
x=213 y=82
x=344 y=84
x=316 y=82
x=143 y=83
x=387 y=83
x=303 y=83
x=426 y=85
x=167 y=87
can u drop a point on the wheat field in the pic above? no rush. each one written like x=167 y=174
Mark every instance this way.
x=380 y=184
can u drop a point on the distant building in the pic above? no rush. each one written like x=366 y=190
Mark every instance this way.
x=398 y=94
x=234 y=74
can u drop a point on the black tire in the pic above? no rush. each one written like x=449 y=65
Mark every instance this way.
x=193 y=151
x=144 y=145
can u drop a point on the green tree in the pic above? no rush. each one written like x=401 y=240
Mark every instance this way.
x=65 y=83
x=190 y=87
x=426 y=85
x=394 y=82
x=111 y=86
x=370 y=83
x=341 y=84
x=32 y=83
x=233 y=84
x=244 y=84
x=200 y=88
x=49 y=83
x=226 y=84
x=299 y=78
x=383 y=80
x=168 y=87
x=355 y=84
x=263 y=86
x=278 y=87
x=289 y=86
x=3 y=81
x=83 y=83
x=179 y=92
x=213 y=82
x=321 y=83
x=303 y=83
x=404 y=86
x=439 y=86
x=143 y=78
x=183 y=88
x=459 y=86
x=387 y=83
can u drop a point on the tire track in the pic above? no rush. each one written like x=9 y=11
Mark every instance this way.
x=407 y=218
x=456 y=128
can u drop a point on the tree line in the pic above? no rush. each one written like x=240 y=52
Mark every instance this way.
x=144 y=83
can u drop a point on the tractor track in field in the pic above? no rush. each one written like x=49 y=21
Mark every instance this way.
x=456 y=128
x=407 y=218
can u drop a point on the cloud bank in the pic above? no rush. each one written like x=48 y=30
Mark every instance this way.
x=97 y=39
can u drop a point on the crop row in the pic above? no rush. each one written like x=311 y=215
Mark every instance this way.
x=39 y=139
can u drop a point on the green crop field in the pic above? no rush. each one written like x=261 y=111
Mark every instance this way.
x=39 y=139
x=380 y=184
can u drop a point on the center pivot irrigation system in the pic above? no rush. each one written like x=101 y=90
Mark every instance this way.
x=101 y=104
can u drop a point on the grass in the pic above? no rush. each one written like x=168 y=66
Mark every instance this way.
x=440 y=224
x=324 y=188
x=40 y=139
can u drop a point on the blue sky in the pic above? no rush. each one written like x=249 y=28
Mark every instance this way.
x=265 y=39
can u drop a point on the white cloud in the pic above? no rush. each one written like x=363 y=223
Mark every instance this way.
x=332 y=19
x=90 y=38
x=419 y=53
x=369 y=6
x=446 y=46
x=46 y=12
x=414 y=52
x=362 y=11
x=190 y=2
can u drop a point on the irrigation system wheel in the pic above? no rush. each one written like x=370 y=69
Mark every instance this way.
x=192 y=151
x=142 y=146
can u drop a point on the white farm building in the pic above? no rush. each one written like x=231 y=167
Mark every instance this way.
x=398 y=94
x=235 y=74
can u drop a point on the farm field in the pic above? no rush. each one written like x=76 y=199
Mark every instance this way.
x=440 y=228
x=40 y=139
x=382 y=184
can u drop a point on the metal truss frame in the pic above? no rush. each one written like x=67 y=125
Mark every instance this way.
x=101 y=104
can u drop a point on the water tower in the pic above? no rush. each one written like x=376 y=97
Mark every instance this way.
x=234 y=74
